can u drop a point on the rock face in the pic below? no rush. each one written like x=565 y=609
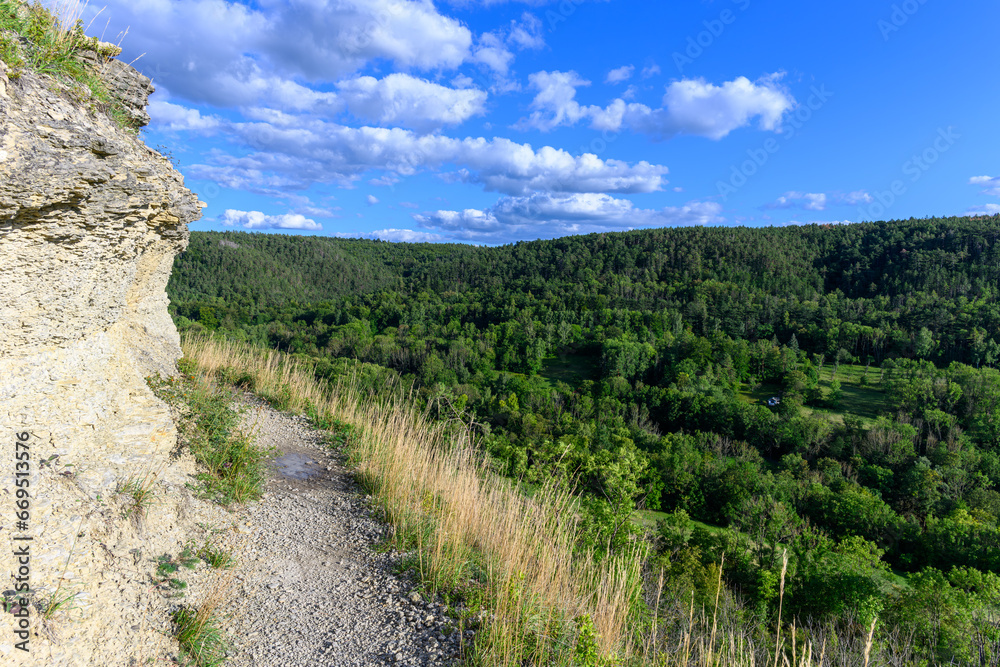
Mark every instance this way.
x=90 y=222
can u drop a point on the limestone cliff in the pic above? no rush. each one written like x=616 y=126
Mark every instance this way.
x=90 y=222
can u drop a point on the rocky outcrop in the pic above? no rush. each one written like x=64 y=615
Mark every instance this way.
x=90 y=222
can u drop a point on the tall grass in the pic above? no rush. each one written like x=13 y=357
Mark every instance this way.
x=472 y=530
x=543 y=602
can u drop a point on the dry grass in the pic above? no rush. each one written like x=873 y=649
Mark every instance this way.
x=472 y=528
x=474 y=532
x=199 y=629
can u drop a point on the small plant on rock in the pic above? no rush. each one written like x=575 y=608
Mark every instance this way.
x=141 y=493
x=200 y=637
x=216 y=556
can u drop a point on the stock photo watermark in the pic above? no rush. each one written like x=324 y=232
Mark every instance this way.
x=565 y=9
x=21 y=569
x=740 y=175
x=701 y=42
x=899 y=16
x=914 y=168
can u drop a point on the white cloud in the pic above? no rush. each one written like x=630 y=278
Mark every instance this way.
x=819 y=201
x=316 y=212
x=690 y=106
x=174 y=117
x=401 y=99
x=318 y=151
x=493 y=49
x=694 y=106
x=492 y=52
x=405 y=236
x=651 y=70
x=385 y=180
x=546 y=215
x=258 y=220
x=230 y=54
x=394 y=235
x=555 y=103
x=527 y=33
x=808 y=201
x=855 y=198
x=623 y=73
x=991 y=184
x=986 y=209
x=372 y=200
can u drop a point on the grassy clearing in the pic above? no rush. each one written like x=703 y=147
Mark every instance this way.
x=860 y=393
x=572 y=369
x=649 y=519
x=474 y=536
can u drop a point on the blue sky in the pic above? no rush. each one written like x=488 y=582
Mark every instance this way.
x=491 y=121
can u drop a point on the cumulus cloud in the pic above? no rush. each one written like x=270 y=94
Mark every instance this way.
x=690 y=106
x=258 y=220
x=555 y=103
x=986 y=209
x=526 y=33
x=651 y=70
x=372 y=200
x=401 y=99
x=623 y=73
x=546 y=215
x=990 y=184
x=229 y=54
x=319 y=151
x=405 y=236
x=175 y=117
x=854 y=198
x=394 y=235
x=808 y=201
x=494 y=49
x=819 y=201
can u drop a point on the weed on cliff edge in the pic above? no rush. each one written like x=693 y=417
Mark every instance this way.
x=235 y=469
x=36 y=39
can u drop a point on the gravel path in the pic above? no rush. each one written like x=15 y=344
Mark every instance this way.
x=310 y=589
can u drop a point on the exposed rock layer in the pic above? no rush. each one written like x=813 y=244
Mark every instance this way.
x=90 y=222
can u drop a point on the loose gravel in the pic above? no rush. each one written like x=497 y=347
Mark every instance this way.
x=311 y=589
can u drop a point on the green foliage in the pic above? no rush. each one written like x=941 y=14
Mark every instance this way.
x=235 y=466
x=216 y=556
x=585 y=652
x=34 y=38
x=200 y=636
x=637 y=369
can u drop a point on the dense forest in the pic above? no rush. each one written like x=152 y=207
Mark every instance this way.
x=829 y=392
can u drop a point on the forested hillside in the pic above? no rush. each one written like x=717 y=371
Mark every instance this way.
x=829 y=390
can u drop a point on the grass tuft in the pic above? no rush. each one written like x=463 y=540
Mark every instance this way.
x=200 y=636
x=235 y=466
x=141 y=492
x=216 y=556
x=52 y=41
